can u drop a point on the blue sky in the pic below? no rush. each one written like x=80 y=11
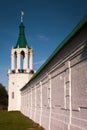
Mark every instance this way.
x=47 y=23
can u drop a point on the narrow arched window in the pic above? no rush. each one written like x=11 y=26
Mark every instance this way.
x=12 y=95
x=15 y=60
x=22 y=59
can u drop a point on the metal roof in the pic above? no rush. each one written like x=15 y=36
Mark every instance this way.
x=21 y=43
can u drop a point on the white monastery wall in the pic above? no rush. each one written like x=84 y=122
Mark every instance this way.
x=57 y=97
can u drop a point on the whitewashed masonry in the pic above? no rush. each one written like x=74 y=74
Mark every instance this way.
x=56 y=95
x=21 y=69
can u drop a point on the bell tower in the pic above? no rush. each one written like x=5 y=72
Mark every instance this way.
x=21 y=69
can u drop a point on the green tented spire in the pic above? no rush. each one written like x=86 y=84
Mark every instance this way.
x=21 y=43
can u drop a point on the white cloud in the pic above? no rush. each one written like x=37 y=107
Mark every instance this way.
x=43 y=37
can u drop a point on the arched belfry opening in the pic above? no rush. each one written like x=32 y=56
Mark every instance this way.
x=22 y=59
x=15 y=60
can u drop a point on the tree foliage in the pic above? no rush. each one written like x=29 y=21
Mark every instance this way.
x=3 y=96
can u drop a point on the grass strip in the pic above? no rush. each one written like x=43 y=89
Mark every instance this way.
x=17 y=121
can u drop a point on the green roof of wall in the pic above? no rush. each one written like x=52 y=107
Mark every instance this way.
x=21 y=43
x=74 y=31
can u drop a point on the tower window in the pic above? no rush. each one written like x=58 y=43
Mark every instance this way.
x=15 y=59
x=22 y=59
x=12 y=95
x=13 y=83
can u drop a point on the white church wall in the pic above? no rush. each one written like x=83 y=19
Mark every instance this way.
x=79 y=87
x=59 y=90
x=38 y=101
x=45 y=102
